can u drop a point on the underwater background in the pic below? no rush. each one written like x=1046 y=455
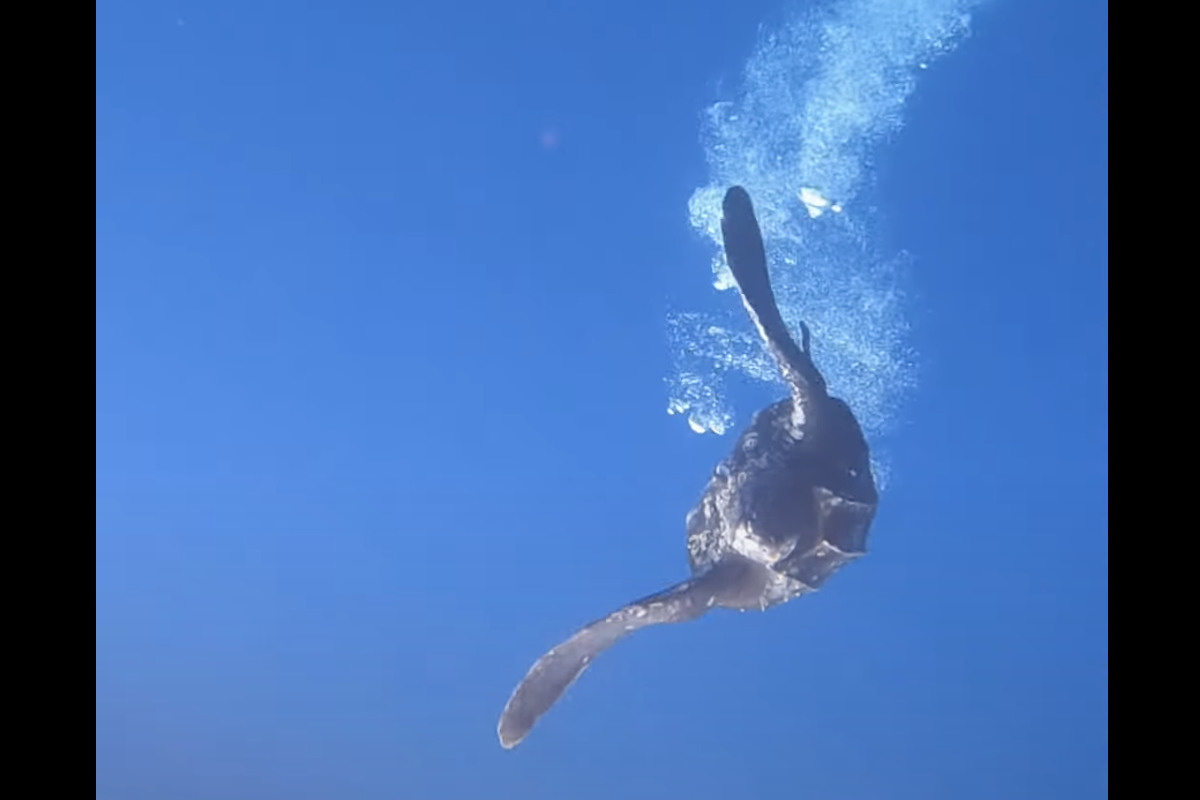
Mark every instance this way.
x=414 y=346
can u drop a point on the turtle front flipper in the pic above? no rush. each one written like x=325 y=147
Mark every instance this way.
x=746 y=255
x=732 y=583
x=550 y=676
x=556 y=671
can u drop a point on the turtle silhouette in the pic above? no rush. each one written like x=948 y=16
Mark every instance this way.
x=790 y=505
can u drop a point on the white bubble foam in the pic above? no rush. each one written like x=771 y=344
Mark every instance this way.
x=819 y=96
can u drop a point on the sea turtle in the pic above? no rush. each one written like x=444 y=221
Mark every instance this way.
x=790 y=505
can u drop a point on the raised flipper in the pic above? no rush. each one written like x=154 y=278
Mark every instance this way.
x=735 y=584
x=748 y=261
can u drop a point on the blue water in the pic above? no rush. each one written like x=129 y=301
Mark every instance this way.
x=390 y=303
